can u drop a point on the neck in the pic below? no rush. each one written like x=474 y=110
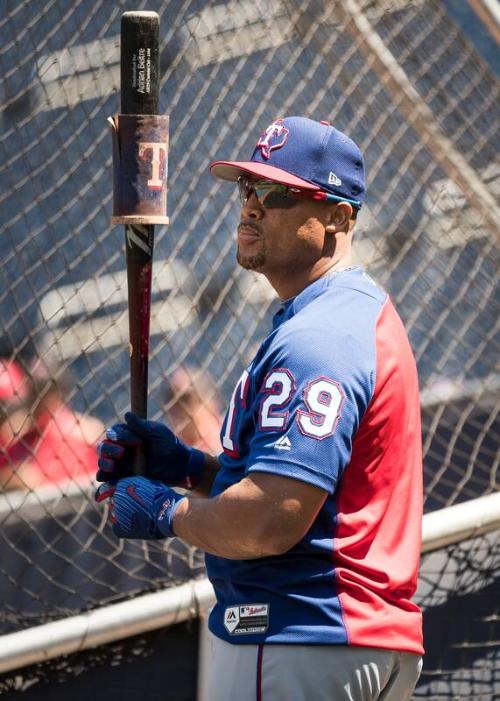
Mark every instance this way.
x=290 y=285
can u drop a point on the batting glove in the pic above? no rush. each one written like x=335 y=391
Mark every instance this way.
x=167 y=458
x=140 y=507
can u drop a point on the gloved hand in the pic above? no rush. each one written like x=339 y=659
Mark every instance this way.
x=140 y=507
x=167 y=458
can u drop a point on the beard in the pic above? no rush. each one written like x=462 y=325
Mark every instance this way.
x=252 y=262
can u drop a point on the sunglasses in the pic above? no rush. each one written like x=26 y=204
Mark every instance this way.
x=272 y=195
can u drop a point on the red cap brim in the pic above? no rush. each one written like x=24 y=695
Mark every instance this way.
x=232 y=170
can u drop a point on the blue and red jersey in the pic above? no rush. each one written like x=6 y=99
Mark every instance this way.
x=331 y=398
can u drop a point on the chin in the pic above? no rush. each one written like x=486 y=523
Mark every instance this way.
x=255 y=262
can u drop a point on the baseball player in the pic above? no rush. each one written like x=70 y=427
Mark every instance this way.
x=311 y=516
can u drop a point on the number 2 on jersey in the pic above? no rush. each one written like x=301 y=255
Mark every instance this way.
x=279 y=387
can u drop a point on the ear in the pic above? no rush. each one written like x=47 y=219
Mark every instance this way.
x=339 y=217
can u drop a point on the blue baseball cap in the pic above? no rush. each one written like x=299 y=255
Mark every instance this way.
x=302 y=153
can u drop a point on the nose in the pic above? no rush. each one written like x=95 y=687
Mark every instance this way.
x=252 y=209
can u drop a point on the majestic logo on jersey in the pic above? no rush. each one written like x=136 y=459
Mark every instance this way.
x=274 y=137
x=249 y=618
x=283 y=443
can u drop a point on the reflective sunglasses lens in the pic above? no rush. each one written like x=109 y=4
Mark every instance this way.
x=273 y=195
x=278 y=199
x=270 y=195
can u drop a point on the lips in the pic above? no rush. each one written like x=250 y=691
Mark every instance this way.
x=247 y=234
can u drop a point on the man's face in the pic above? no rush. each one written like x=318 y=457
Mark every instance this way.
x=275 y=241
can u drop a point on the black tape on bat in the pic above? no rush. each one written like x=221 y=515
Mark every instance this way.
x=140 y=167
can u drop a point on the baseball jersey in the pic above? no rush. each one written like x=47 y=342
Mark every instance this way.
x=331 y=398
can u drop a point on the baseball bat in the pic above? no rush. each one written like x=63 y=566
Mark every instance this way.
x=140 y=87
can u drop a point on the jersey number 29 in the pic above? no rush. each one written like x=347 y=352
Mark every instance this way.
x=322 y=398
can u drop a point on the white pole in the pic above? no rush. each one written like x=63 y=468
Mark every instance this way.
x=489 y=13
x=460 y=522
x=105 y=625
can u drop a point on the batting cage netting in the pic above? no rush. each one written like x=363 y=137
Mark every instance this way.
x=415 y=85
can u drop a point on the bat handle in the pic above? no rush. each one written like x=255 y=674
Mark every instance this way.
x=139 y=457
x=139 y=394
x=139 y=461
x=139 y=242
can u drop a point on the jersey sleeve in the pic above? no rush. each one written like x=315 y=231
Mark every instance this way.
x=312 y=396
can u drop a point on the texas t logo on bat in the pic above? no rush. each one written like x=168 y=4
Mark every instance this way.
x=155 y=153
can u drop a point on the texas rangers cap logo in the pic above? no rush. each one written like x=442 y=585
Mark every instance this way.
x=273 y=137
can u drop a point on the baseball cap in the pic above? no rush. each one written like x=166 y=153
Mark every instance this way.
x=302 y=153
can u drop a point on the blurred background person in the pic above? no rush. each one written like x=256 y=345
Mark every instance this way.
x=193 y=408
x=49 y=442
x=14 y=388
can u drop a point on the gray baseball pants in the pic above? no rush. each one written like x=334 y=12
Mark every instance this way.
x=309 y=673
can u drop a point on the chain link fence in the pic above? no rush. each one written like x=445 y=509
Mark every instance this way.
x=401 y=78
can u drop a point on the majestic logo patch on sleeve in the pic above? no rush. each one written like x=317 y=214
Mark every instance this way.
x=250 y=618
x=274 y=137
x=283 y=443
